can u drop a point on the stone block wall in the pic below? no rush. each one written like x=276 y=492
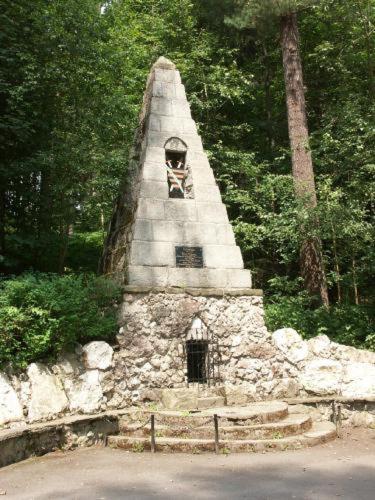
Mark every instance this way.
x=147 y=224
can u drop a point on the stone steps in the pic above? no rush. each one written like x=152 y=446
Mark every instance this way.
x=320 y=432
x=255 y=427
x=255 y=413
x=289 y=426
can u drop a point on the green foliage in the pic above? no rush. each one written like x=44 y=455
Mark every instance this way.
x=248 y=13
x=345 y=323
x=42 y=315
x=84 y=251
x=71 y=85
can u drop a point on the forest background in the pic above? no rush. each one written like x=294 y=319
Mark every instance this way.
x=72 y=76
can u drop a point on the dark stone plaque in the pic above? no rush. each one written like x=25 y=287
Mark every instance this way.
x=189 y=256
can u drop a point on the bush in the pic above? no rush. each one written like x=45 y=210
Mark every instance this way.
x=344 y=323
x=44 y=314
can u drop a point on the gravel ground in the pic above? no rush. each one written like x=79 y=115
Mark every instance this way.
x=344 y=469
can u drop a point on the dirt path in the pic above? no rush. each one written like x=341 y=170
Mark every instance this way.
x=342 y=469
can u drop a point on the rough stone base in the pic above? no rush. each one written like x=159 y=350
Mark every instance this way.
x=156 y=325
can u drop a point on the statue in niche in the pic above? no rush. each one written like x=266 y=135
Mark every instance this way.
x=179 y=175
x=175 y=164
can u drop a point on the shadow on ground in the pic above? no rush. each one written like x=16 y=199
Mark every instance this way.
x=343 y=469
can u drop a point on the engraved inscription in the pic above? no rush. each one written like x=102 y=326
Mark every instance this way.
x=189 y=256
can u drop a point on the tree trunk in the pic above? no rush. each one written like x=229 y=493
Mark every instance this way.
x=304 y=184
x=2 y=220
x=268 y=97
x=336 y=260
x=355 y=284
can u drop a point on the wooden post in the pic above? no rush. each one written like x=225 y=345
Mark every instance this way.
x=339 y=420
x=216 y=423
x=334 y=419
x=152 y=433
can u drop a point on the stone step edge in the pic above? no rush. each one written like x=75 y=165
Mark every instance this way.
x=329 y=399
x=316 y=435
x=287 y=422
x=178 y=419
x=208 y=292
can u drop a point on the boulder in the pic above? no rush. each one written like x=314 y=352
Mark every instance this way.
x=68 y=365
x=320 y=346
x=359 y=380
x=362 y=419
x=10 y=406
x=48 y=398
x=353 y=355
x=85 y=393
x=97 y=355
x=322 y=377
x=291 y=344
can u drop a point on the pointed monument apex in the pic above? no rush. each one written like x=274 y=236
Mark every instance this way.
x=170 y=227
x=164 y=63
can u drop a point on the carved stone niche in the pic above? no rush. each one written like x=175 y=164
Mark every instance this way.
x=175 y=144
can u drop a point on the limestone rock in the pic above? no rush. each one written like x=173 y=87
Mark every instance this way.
x=116 y=402
x=97 y=355
x=353 y=355
x=286 y=388
x=179 y=399
x=240 y=395
x=10 y=407
x=85 y=393
x=68 y=365
x=107 y=382
x=291 y=344
x=263 y=350
x=362 y=419
x=25 y=392
x=48 y=397
x=320 y=346
x=236 y=340
x=322 y=376
x=150 y=395
x=360 y=380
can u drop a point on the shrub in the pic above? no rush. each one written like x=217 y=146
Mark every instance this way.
x=44 y=314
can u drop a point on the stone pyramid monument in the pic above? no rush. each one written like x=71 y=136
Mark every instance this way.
x=188 y=315
x=170 y=227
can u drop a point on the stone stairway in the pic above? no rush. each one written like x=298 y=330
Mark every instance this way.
x=256 y=427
